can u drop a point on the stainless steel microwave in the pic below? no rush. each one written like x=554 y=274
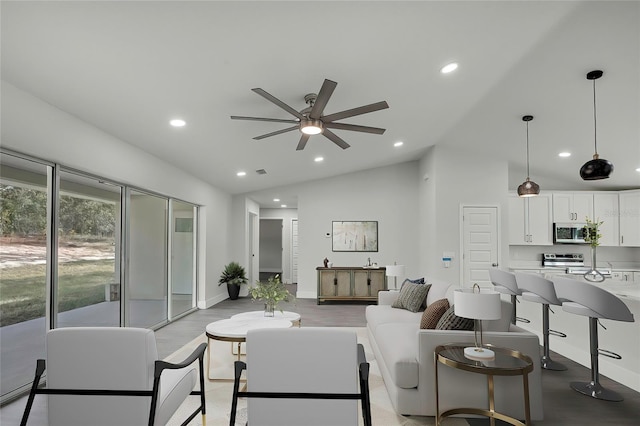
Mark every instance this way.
x=568 y=233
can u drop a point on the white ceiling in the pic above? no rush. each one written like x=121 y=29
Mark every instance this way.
x=129 y=67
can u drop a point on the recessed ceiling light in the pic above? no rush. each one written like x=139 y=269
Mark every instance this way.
x=241 y=174
x=318 y=159
x=399 y=143
x=449 y=68
x=638 y=169
x=275 y=200
x=177 y=122
x=283 y=205
x=564 y=154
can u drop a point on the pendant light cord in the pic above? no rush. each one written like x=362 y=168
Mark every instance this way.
x=527 y=150
x=595 y=122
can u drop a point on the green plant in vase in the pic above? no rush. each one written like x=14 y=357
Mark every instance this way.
x=591 y=234
x=272 y=292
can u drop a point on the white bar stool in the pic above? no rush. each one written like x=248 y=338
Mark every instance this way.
x=581 y=298
x=505 y=282
x=538 y=289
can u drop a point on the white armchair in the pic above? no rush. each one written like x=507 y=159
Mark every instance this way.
x=321 y=368
x=105 y=376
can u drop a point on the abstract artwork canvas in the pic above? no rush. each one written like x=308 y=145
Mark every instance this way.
x=355 y=236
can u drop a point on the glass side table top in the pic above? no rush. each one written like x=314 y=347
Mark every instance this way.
x=507 y=361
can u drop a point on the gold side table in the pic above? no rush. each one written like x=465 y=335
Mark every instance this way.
x=507 y=362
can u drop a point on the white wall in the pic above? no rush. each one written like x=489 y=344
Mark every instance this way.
x=386 y=194
x=454 y=178
x=33 y=127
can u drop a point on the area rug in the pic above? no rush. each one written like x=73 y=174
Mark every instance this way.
x=218 y=394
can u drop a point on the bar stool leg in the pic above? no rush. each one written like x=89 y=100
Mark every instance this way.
x=593 y=388
x=546 y=361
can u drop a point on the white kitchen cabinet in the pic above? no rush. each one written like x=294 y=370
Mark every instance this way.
x=572 y=206
x=530 y=220
x=629 y=202
x=605 y=209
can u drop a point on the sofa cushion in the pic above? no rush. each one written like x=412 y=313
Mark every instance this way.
x=439 y=290
x=450 y=321
x=398 y=345
x=433 y=313
x=411 y=296
x=384 y=314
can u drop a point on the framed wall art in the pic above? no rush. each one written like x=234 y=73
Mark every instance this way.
x=354 y=235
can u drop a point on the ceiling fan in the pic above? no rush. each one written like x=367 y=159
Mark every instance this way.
x=310 y=120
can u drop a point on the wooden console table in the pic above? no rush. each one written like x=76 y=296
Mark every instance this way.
x=350 y=283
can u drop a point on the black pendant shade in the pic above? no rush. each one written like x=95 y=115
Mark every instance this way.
x=598 y=168
x=528 y=188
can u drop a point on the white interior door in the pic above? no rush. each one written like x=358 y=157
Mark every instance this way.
x=479 y=244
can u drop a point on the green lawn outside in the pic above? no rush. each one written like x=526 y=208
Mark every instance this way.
x=22 y=289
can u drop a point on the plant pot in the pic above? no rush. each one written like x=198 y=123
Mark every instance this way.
x=234 y=291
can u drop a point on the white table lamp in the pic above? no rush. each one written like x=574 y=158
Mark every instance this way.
x=395 y=271
x=477 y=305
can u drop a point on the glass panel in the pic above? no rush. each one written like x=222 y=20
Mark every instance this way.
x=147 y=260
x=183 y=264
x=88 y=252
x=23 y=269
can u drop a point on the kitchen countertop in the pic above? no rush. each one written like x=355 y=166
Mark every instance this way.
x=626 y=290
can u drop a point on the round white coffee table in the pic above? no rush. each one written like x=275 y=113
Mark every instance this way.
x=294 y=317
x=235 y=330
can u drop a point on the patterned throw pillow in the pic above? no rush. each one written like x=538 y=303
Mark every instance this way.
x=433 y=313
x=416 y=281
x=450 y=321
x=411 y=296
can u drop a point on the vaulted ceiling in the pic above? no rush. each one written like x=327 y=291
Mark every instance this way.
x=129 y=67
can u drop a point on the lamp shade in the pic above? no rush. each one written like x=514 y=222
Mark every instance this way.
x=482 y=306
x=395 y=270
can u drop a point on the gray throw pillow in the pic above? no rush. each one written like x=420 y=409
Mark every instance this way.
x=411 y=296
x=450 y=321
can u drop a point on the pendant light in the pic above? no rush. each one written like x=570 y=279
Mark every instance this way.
x=528 y=188
x=598 y=168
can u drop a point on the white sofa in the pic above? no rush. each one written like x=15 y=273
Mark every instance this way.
x=405 y=357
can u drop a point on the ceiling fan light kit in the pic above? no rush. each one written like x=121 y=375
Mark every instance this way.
x=311 y=121
x=528 y=188
x=598 y=168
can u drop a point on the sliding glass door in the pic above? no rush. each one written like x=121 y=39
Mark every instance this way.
x=77 y=250
x=24 y=229
x=183 y=256
x=147 y=277
x=88 y=252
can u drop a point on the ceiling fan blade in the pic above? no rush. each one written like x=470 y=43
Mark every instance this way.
x=303 y=141
x=277 y=132
x=335 y=139
x=278 y=102
x=275 y=120
x=355 y=111
x=355 y=128
x=323 y=97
